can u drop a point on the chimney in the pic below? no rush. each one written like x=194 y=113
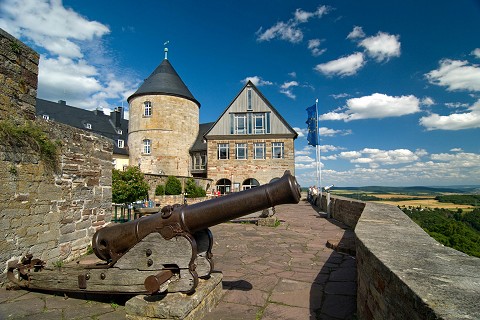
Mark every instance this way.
x=118 y=114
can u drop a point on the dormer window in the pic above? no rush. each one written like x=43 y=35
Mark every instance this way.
x=147 y=109
x=120 y=143
x=119 y=131
x=46 y=117
x=88 y=125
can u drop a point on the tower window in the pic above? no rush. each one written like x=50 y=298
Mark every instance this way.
x=147 y=109
x=249 y=99
x=147 y=145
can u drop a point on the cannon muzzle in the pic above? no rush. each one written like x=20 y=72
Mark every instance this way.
x=112 y=242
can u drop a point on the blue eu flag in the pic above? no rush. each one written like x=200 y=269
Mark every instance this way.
x=312 y=136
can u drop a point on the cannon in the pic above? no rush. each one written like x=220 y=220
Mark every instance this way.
x=165 y=252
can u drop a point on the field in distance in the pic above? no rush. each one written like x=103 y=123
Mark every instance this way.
x=451 y=199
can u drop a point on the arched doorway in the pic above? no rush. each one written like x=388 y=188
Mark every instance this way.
x=224 y=185
x=250 y=183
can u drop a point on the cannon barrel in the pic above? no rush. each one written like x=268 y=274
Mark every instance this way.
x=113 y=241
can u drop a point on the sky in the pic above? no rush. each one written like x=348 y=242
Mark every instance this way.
x=397 y=82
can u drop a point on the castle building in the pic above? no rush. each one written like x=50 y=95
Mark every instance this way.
x=250 y=144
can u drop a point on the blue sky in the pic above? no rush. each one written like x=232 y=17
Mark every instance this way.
x=397 y=82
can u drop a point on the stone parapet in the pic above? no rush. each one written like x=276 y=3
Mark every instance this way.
x=403 y=273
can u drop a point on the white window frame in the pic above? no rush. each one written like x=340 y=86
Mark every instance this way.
x=278 y=148
x=147 y=146
x=238 y=118
x=120 y=143
x=46 y=117
x=88 y=125
x=225 y=148
x=147 y=109
x=259 y=129
x=241 y=147
x=119 y=131
x=257 y=147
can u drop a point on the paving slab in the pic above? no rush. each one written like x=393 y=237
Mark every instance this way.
x=269 y=273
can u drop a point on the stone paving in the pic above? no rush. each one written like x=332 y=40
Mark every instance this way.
x=283 y=272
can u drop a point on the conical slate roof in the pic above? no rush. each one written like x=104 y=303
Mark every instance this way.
x=164 y=80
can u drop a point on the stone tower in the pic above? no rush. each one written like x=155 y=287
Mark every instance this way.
x=163 y=125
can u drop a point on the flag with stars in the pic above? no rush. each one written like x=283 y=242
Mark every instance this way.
x=312 y=136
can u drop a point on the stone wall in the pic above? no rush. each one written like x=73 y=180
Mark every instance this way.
x=343 y=209
x=18 y=79
x=403 y=273
x=237 y=171
x=50 y=211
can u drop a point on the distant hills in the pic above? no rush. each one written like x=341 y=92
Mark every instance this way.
x=415 y=190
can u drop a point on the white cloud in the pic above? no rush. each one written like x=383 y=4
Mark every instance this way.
x=257 y=81
x=356 y=33
x=340 y=96
x=350 y=154
x=476 y=52
x=300 y=132
x=382 y=47
x=289 y=84
x=455 y=121
x=327 y=132
x=456 y=150
x=438 y=169
x=293 y=74
x=290 y=30
x=345 y=66
x=427 y=101
x=375 y=106
x=73 y=64
x=314 y=47
x=456 y=75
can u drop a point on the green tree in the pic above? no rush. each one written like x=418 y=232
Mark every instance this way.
x=128 y=185
x=173 y=186
x=193 y=190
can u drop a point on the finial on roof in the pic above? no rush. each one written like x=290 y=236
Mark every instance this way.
x=166 y=49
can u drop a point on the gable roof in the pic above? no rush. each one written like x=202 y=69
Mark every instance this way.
x=164 y=80
x=101 y=123
x=250 y=83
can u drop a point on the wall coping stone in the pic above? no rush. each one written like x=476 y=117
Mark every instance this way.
x=446 y=281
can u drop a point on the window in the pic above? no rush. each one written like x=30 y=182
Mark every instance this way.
x=120 y=143
x=241 y=151
x=240 y=124
x=259 y=151
x=223 y=151
x=119 y=131
x=249 y=99
x=46 y=117
x=147 y=146
x=277 y=150
x=199 y=161
x=147 y=109
x=259 y=123
x=88 y=125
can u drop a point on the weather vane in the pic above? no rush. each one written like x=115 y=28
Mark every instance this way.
x=166 y=49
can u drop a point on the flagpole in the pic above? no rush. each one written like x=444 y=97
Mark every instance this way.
x=318 y=158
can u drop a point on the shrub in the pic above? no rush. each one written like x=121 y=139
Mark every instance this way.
x=160 y=190
x=173 y=186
